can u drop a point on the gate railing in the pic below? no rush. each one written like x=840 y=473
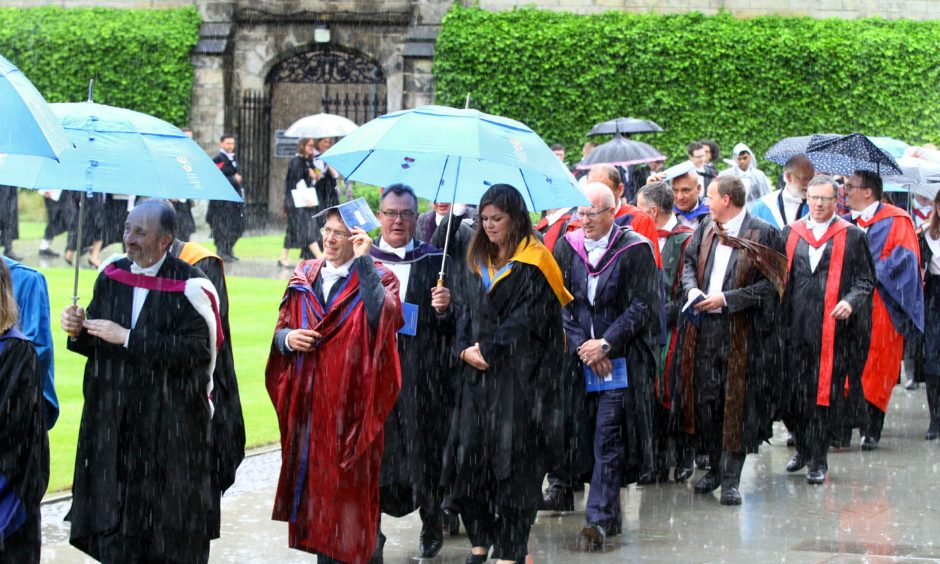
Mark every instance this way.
x=254 y=143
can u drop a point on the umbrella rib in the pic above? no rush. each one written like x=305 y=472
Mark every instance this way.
x=360 y=163
x=529 y=192
x=440 y=182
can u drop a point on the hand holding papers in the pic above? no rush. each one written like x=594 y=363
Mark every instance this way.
x=304 y=197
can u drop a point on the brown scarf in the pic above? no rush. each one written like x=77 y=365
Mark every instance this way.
x=773 y=265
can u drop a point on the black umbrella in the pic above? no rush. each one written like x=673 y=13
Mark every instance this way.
x=620 y=151
x=788 y=147
x=846 y=154
x=625 y=125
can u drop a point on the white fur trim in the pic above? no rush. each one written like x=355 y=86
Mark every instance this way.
x=111 y=260
x=195 y=292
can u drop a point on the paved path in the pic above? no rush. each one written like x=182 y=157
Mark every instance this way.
x=875 y=507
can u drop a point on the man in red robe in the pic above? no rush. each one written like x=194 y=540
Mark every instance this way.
x=333 y=375
x=898 y=303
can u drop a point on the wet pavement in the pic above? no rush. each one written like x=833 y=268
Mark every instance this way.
x=874 y=507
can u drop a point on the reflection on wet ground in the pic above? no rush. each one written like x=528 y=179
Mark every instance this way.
x=875 y=507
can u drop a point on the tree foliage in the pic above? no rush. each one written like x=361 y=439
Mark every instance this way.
x=138 y=58
x=700 y=77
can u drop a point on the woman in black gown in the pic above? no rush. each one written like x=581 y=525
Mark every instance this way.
x=24 y=444
x=510 y=342
x=930 y=262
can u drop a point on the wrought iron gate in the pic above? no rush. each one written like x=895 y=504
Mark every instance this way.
x=254 y=134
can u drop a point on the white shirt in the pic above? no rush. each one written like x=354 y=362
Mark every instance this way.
x=819 y=229
x=140 y=294
x=791 y=206
x=553 y=217
x=402 y=271
x=934 y=244
x=669 y=226
x=866 y=214
x=331 y=274
x=595 y=251
x=723 y=255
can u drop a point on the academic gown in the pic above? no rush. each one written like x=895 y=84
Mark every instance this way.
x=676 y=243
x=626 y=313
x=9 y=215
x=816 y=348
x=301 y=225
x=228 y=424
x=631 y=216
x=185 y=224
x=24 y=449
x=226 y=218
x=505 y=432
x=931 y=360
x=331 y=405
x=416 y=429
x=898 y=301
x=752 y=309
x=144 y=441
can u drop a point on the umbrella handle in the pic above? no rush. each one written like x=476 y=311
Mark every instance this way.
x=78 y=247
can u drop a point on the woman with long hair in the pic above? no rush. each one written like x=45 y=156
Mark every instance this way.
x=930 y=262
x=24 y=443
x=510 y=343
x=301 y=225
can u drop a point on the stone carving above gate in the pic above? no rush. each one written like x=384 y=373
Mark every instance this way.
x=327 y=66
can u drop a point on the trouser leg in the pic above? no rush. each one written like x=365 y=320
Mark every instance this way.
x=512 y=534
x=876 y=422
x=603 y=504
x=932 y=382
x=479 y=521
x=731 y=466
x=818 y=438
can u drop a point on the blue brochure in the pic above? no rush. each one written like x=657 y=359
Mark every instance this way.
x=410 y=313
x=616 y=380
x=358 y=214
x=691 y=313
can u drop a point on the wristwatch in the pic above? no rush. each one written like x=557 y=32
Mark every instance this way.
x=605 y=346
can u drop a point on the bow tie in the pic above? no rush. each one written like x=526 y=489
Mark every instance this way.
x=592 y=245
x=813 y=225
x=149 y=271
x=334 y=272
x=399 y=251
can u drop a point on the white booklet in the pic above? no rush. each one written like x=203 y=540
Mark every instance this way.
x=304 y=197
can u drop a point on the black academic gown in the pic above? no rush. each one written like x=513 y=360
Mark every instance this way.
x=228 y=423
x=24 y=445
x=144 y=442
x=626 y=313
x=756 y=302
x=500 y=443
x=301 y=225
x=225 y=218
x=416 y=429
x=9 y=215
x=801 y=321
x=931 y=343
x=185 y=224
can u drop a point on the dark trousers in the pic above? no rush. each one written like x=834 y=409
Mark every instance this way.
x=813 y=436
x=933 y=397
x=507 y=533
x=119 y=548
x=876 y=421
x=603 y=503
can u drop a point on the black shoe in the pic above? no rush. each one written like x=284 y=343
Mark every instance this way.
x=708 y=483
x=234 y=258
x=12 y=256
x=431 y=540
x=730 y=496
x=477 y=558
x=816 y=476
x=796 y=463
x=452 y=522
x=226 y=258
x=682 y=474
x=646 y=478
x=791 y=440
x=558 y=498
x=910 y=385
x=933 y=431
x=48 y=253
x=593 y=536
x=869 y=443
x=702 y=462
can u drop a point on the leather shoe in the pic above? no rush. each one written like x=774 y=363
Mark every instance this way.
x=431 y=540
x=869 y=443
x=791 y=440
x=682 y=474
x=48 y=253
x=558 y=498
x=933 y=431
x=646 y=478
x=796 y=463
x=730 y=496
x=708 y=483
x=594 y=536
x=815 y=476
x=702 y=462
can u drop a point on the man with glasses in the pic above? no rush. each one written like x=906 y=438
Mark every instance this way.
x=784 y=206
x=333 y=376
x=612 y=329
x=898 y=302
x=825 y=324
x=416 y=429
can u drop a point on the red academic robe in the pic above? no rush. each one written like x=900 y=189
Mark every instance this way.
x=331 y=406
x=898 y=302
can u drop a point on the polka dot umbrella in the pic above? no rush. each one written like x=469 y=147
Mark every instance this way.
x=844 y=155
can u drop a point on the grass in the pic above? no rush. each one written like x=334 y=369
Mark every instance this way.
x=253 y=313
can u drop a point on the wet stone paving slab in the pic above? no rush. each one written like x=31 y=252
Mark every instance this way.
x=876 y=506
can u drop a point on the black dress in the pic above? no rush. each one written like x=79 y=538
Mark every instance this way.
x=301 y=225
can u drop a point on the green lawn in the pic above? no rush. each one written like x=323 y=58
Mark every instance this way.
x=254 y=303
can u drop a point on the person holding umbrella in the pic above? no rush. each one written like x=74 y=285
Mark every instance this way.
x=510 y=342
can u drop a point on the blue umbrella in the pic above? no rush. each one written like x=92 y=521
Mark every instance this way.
x=27 y=125
x=789 y=147
x=447 y=155
x=894 y=147
x=846 y=154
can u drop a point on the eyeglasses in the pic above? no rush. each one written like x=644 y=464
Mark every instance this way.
x=823 y=199
x=340 y=235
x=406 y=215
x=592 y=215
x=850 y=186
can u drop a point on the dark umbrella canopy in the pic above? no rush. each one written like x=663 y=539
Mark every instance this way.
x=788 y=147
x=620 y=151
x=625 y=125
x=846 y=154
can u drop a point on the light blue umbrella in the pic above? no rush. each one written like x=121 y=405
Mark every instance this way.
x=448 y=155
x=27 y=125
x=121 y=151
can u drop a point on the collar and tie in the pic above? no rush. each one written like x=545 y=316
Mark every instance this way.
x=151 y=270
x=592 y=245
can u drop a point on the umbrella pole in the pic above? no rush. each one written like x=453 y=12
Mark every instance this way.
x=450 y=218
x=78 y=247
